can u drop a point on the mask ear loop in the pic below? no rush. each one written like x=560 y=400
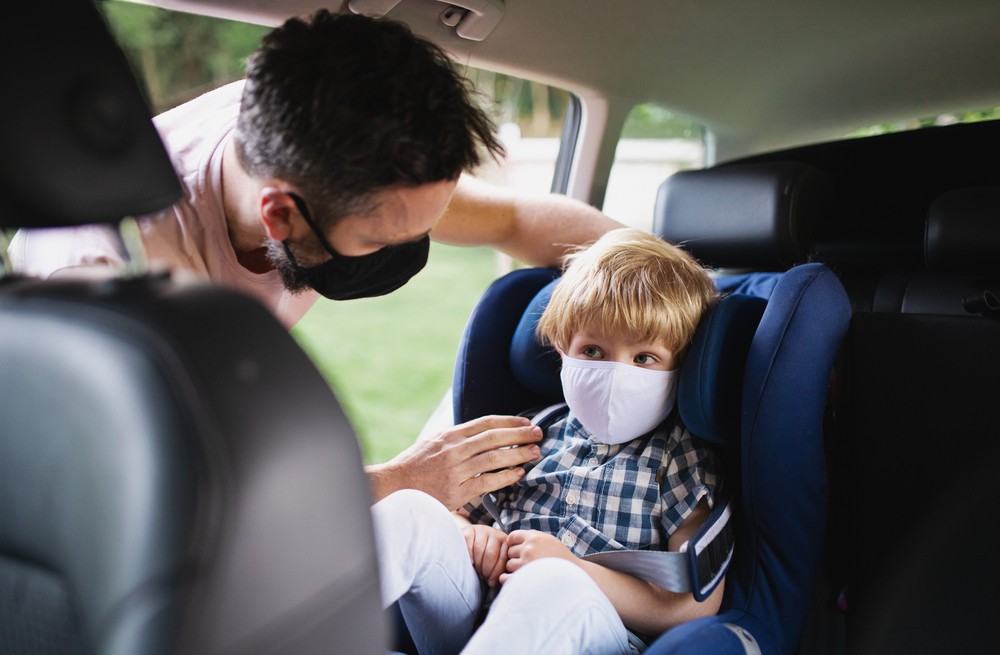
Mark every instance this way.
x=300 y=204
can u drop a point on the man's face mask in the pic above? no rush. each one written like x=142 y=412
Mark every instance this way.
x=617 y=402
x=346 y=278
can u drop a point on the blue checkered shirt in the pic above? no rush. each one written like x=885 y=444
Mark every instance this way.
x=596 y=497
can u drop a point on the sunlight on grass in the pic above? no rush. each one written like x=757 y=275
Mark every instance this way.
x=390 y=359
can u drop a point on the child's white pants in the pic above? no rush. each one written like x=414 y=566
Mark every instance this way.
x=550 y=606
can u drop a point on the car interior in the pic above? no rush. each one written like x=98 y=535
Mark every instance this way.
x=153 y=497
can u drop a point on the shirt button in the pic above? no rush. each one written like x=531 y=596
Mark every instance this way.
x=593 y=462
x=567 y=540
x=571 y=498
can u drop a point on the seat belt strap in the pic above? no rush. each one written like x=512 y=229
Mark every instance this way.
x=697 y=568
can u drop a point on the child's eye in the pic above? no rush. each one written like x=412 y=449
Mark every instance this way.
x=643 y=358
x=593 y=352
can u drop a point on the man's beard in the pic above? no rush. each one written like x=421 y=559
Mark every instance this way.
x=291 y=275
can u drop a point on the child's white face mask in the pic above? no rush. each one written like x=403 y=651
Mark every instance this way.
x=617 y=402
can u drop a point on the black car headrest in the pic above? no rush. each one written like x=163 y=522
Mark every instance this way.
x=962 y=232
x=759 y=216
x=79 y=146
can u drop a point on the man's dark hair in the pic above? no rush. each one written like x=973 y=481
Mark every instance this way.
x=343 y=106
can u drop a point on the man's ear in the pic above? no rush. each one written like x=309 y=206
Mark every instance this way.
x=276 y=212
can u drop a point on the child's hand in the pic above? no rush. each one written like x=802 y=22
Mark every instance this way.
x=488 y=550
x=525 y=546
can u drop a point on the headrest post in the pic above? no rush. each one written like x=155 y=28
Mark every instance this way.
x=6 y=269
x=132 y=251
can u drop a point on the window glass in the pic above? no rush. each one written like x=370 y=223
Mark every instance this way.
x=655 y=144
x=529 y=117
x=389 y=359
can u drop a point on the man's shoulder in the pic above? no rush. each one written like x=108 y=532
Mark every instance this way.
x=193 y=130
x=225 y=98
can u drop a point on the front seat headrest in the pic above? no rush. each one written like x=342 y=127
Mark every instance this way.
x=79 y=146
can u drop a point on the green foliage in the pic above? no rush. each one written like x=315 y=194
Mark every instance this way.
x=992 y=113
x=650 y=121
x=180 y=55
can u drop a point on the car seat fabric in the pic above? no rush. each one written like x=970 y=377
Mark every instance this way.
x=484 y=381
x=175 y=475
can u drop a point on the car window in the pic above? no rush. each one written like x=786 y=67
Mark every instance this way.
x=655 y=144
x=178 y=56
x=389 y=358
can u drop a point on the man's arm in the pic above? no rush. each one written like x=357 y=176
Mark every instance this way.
x=537 y=230
x=90 y=250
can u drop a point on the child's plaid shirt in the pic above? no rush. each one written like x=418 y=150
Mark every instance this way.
x=596 y=497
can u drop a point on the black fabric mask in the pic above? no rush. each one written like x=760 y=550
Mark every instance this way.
x=374 y=274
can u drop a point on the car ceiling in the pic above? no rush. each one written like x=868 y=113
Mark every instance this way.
x=759 y=75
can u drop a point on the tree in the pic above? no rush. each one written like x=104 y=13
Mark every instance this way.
x=178 y=55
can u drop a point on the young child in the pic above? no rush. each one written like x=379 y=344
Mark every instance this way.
x=619 y=471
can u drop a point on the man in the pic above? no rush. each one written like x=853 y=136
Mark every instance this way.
x=325 y=173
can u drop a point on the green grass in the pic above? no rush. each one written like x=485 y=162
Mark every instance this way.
x=390 y=359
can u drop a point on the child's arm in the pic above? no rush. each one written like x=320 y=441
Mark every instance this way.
x=487 y=548
x=643 y=607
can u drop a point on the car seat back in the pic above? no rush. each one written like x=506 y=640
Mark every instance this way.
x=175 y=475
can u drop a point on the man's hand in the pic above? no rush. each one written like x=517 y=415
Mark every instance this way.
x=524 y=546
x=462 y=463
x=488 y=550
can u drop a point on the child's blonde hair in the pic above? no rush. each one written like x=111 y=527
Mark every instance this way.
x=631 y=284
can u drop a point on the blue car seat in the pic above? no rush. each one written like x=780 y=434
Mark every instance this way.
x=762 y=388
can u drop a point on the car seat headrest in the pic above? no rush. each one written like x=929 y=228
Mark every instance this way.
x=536 y=367
x=710 y=392
x=79 y=143
x=759 y=216
x=711 y=383
x=962 y=232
